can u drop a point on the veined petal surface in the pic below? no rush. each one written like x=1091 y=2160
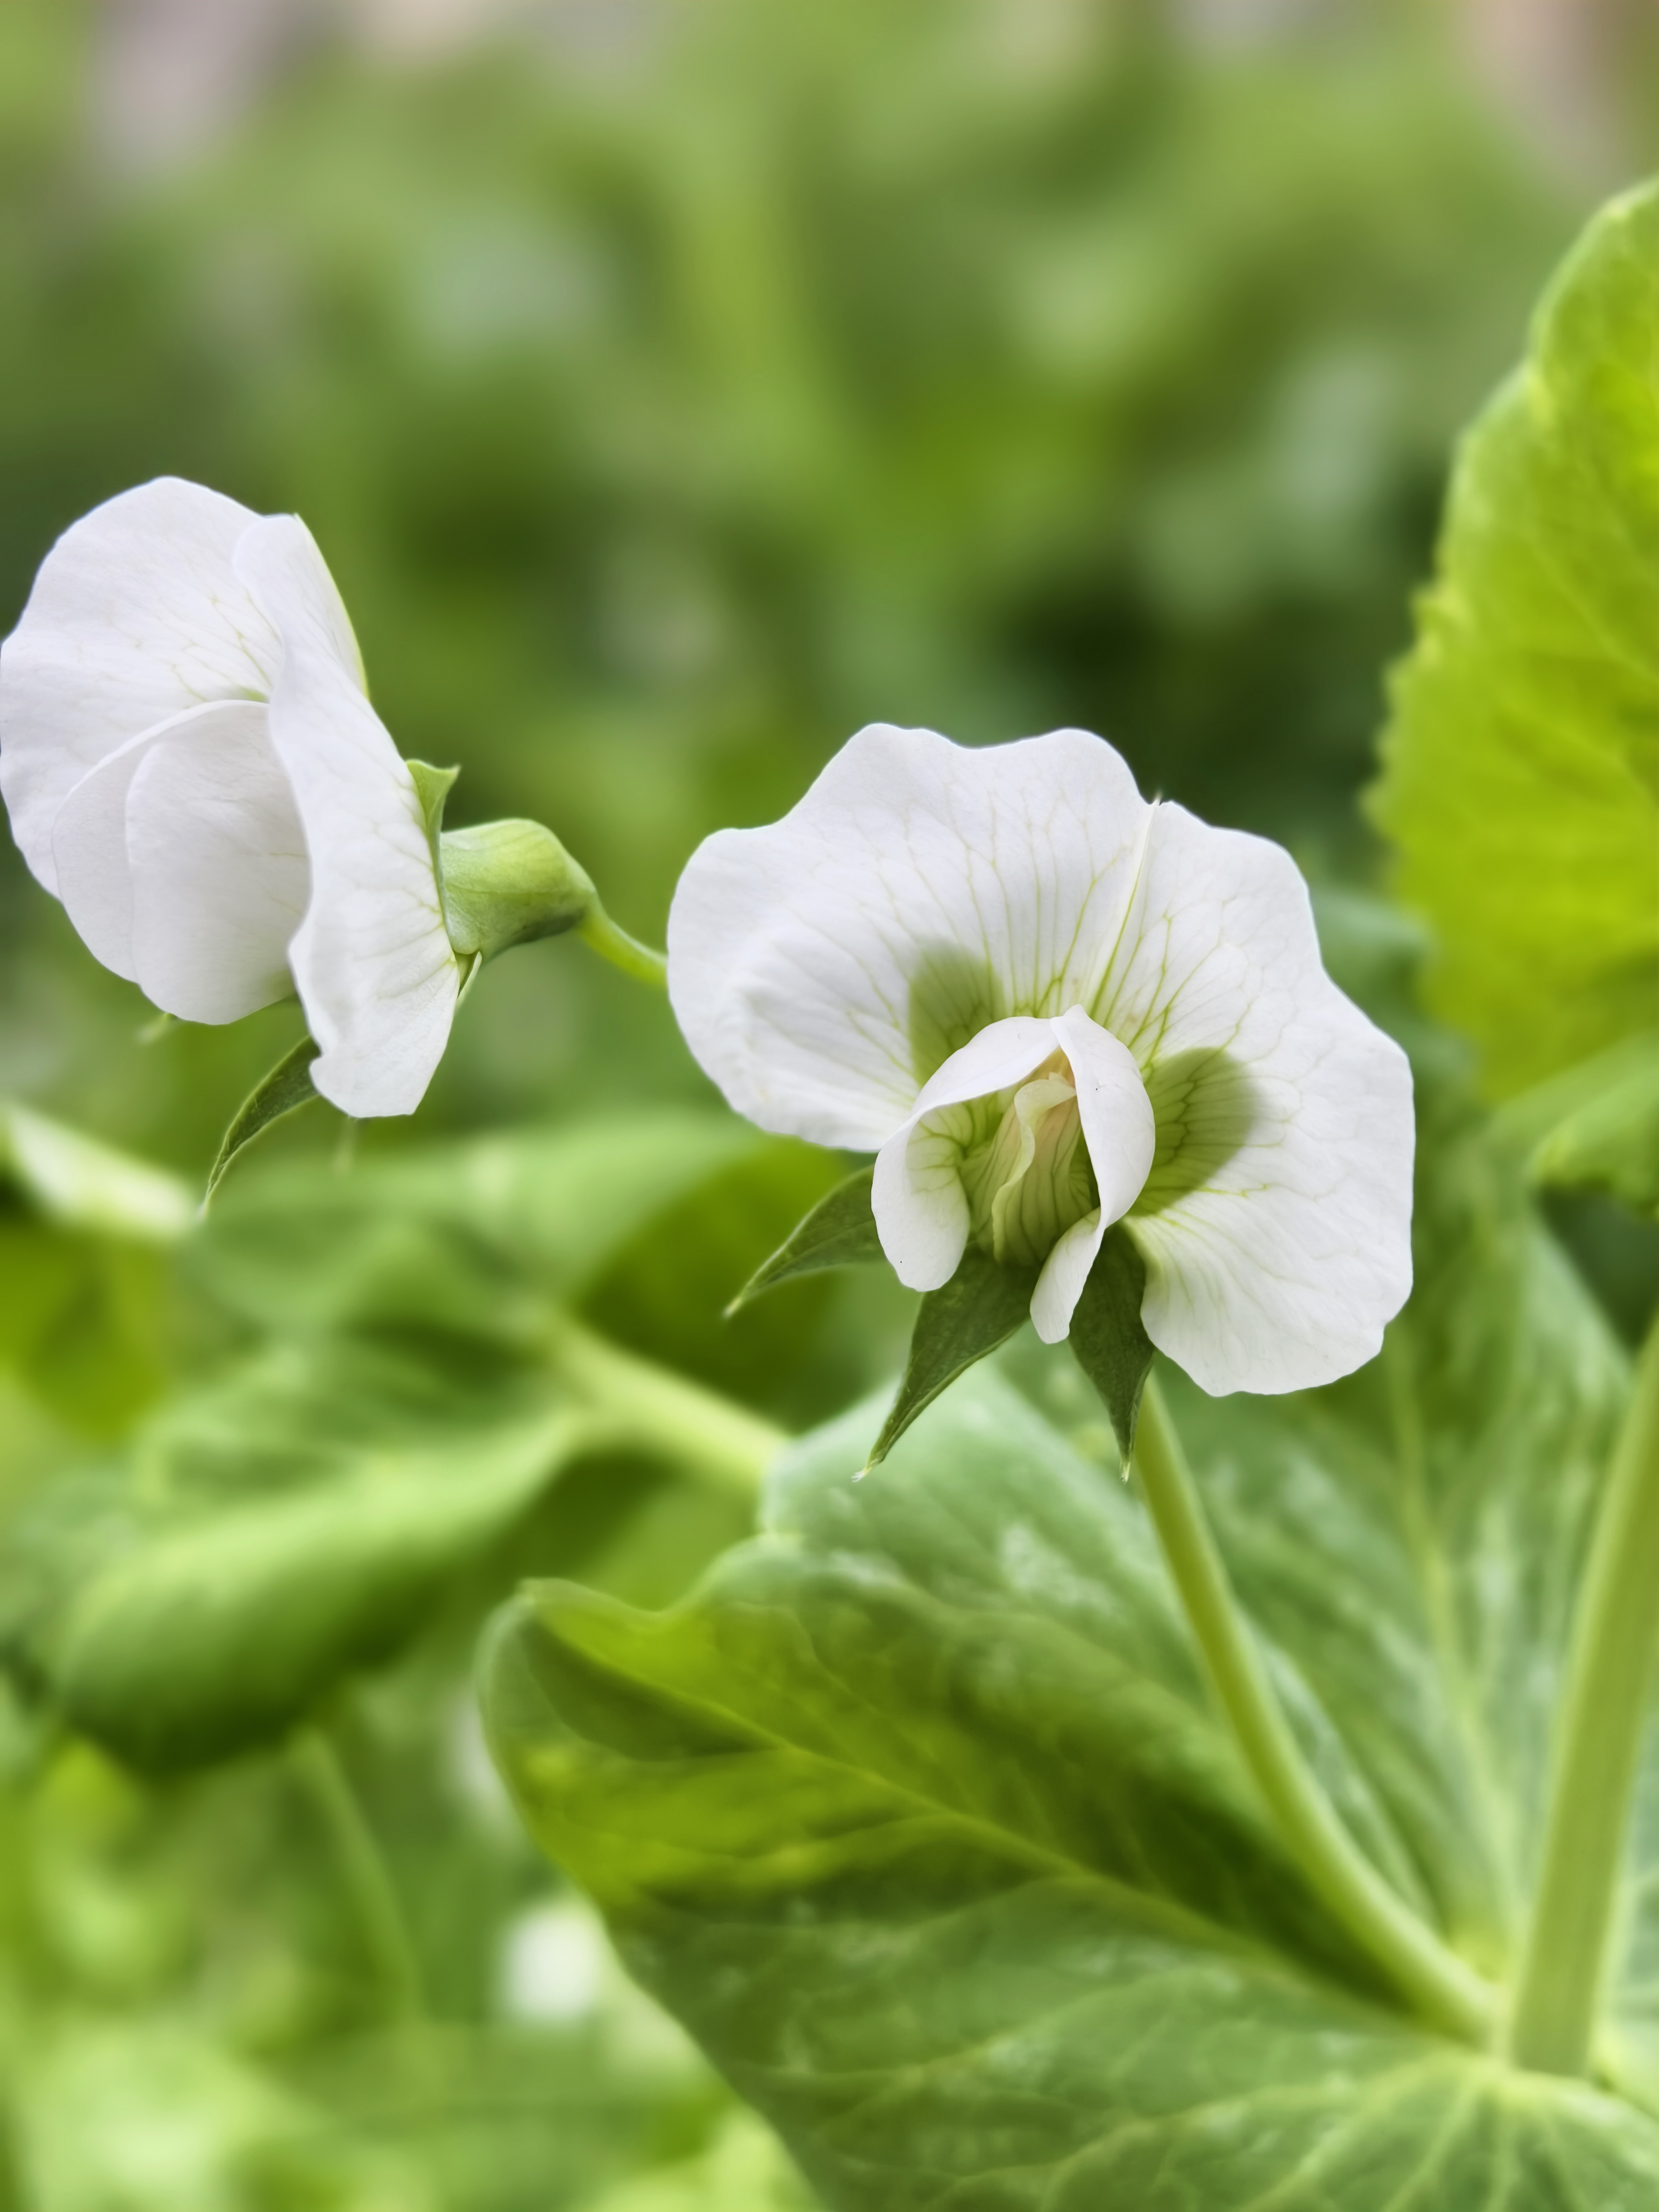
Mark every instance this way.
x=135 y=617
x=823 y=967
x=372 y=961
x=219 y=874
x=1275 y=1224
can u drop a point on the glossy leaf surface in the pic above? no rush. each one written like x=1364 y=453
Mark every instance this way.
x=918 y=1815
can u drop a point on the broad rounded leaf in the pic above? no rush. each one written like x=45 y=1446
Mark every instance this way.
x=1521 y=781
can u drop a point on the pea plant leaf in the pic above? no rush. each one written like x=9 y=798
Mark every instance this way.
x=286 y=1527
x=917 y=1813
x=1520 y=781
x=300 y=1516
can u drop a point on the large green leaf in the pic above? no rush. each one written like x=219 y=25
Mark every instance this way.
x=299 y=1518
x=294 y=1522
x=1522 y=764
x=918 y=1815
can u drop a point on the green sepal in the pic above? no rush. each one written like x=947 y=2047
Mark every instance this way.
x=288 y=1087
x=1107 y=1339
x=501 y=883
x=979 y=1308
x=432 y=787
x=840 y=1232
x=509 y=883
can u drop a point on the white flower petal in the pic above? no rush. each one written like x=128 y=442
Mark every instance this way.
x=372 y=960
x=1277 y=1237
x=1122 y=1137
x=822 y=966
x=135 y=615
x=89 y=841
x=219 y=874
x=1112 y=1104
x=1064 y=1272
x=920 y=1205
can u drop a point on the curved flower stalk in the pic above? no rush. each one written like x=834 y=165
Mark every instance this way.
x=192 y=765
x=1048 y=1005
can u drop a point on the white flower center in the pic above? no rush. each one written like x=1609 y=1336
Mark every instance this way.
x=1029 y=1179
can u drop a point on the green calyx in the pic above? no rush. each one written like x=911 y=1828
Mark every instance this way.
x=509 y=883
x=502 y=883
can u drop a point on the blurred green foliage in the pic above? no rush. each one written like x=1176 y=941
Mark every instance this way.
x=671 y=390
x=670 y=406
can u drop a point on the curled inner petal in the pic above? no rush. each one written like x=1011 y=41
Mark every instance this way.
x=1032 y=1179
x=1030 y=1140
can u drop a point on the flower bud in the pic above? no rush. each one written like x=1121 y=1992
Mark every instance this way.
x=508 y=883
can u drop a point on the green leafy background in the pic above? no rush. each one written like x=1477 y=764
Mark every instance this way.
x=673 y=390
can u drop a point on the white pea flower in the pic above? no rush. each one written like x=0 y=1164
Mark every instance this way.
x=192 y=765
x=1047 y=1006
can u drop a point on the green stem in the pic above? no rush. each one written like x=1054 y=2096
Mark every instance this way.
x=379 y=1916
x=646 y=1408
x=1438 y=1985
x=621 y=950
x=1598 y=1732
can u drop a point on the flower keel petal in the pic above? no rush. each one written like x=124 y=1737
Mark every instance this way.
x=920 y=1205
x=1121 y=1136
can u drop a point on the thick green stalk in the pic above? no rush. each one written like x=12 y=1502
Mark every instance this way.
x=621 y=950
x=1598 y=1732
x=637 y=1405
x=1437 y=1984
